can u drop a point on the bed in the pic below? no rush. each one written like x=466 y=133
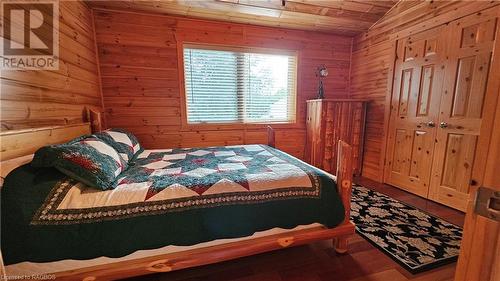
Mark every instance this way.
x=221 y=203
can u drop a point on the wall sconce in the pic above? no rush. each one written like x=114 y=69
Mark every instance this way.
x=321 y=72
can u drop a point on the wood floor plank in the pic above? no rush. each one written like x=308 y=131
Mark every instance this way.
x=391 y=274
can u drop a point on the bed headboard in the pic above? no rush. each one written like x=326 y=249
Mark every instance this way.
x=18 y=146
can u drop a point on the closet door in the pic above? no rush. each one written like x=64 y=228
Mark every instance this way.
x=419 y=73
x=470 y=43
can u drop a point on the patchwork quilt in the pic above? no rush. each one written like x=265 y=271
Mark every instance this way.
x=165 y=197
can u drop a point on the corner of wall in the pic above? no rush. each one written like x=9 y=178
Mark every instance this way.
x=98 y=67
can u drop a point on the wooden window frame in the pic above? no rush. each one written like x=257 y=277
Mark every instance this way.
x=186 y=126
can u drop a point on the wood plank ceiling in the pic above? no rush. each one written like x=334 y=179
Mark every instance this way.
x=347 y=17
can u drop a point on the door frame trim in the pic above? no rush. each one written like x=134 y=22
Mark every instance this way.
x=387 y=111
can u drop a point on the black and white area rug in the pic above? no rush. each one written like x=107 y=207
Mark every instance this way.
x=415 y=239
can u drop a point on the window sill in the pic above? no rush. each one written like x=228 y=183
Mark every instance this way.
x=239 y=126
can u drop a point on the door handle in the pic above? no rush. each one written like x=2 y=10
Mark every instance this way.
x=429 y=124
x=443 y=125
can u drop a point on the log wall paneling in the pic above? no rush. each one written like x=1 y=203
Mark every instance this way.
x=373 y=63
x=141 y=69
x=39 y=98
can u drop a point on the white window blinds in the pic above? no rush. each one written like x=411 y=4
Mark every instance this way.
x=227 y=86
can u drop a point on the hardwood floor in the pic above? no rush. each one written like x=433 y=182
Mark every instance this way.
x=319 y=262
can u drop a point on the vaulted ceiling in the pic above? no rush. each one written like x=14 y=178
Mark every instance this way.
x=349 y=17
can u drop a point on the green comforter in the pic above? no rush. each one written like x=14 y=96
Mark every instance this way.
x=167 y=197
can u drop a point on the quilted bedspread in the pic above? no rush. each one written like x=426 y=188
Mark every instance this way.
x=166 y=197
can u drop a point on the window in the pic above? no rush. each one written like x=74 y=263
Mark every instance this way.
x=239 y=86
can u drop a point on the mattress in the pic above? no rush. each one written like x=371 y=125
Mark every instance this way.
x=36 y=268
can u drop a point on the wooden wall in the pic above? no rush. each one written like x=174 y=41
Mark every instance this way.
x=40 y=98
x=141 y=81
x=373 y=61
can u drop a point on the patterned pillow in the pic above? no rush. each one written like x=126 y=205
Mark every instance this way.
x=88 y=160
x=122 y=141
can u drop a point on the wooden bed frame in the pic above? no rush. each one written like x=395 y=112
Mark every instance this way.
x=17 y=148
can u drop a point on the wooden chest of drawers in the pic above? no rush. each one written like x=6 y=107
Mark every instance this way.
x=331 y=120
